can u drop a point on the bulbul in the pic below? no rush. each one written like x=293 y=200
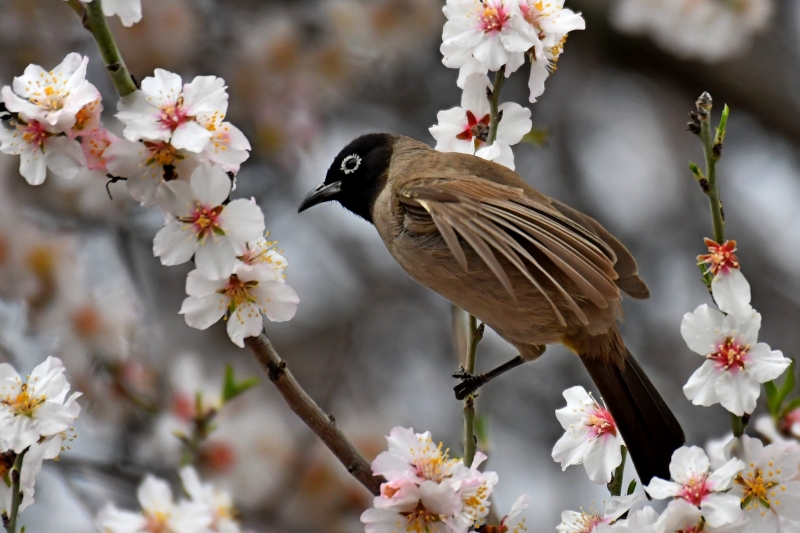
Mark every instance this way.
x=534 y=270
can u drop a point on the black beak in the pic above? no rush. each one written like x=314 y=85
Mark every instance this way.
x=323 y=193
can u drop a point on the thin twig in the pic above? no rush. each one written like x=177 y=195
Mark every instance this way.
x=315 y=418
x=95 y=22
x=475 y=334
x=494 y=114
x=16 y=492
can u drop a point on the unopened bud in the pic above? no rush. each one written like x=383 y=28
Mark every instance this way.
x=704 y=105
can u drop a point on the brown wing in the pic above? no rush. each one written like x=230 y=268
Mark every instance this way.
x=493 y=218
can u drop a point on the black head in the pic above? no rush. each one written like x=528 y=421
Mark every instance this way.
x=356 y=176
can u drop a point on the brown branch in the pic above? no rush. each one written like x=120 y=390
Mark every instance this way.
x=322 y=424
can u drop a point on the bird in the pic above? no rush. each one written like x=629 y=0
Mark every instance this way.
x=531 y=268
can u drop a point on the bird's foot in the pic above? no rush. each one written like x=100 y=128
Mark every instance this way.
x=469 y=383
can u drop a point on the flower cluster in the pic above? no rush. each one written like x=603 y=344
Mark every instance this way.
x=426 y=490
x=177 y=152
x=591 y=436
x=736 y=364
x=35 y=415
x=208 y=510
x=711 y=30
x=497 y=35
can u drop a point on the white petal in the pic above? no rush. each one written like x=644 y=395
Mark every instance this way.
x=277 y=300
x=701 y=329
x=539 y=75
x=491 y=52
x=660 y=489
x=603 y=456
x=210 y=184
x=721 y=509
x=206 y=94
x=721 y=479
x=242 y=220
x=571 y=448
x=743 y=326
x=701 y=387
x=737 y=392
x=163 y=87
x=516 y=123
x=129 y=11
x=174 y=244
x=201 y=313
x=688 y=462
x=474 y=96
x=197 y=285
x=731 y=291
x=175 y=197
x=32 y=166
x=64 y=156
x=764 y=364
x=190 y=136
x=246 y=321
x=215 y=258
x=154 y=494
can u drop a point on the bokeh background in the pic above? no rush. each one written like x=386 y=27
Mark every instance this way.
x=78 y=278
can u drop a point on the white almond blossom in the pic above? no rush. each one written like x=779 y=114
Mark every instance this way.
x=202 y=225
x=36 y=408
x=736 y=364
x=40 y=149
x=711 y=30
x=167 y=110
x=218 y=501
x=228 y=147
x=129 y=11
x=465 y=129
x=147 y=165
x=594 y=522
x=53 y=98
x=767 y=489
x=552 y=23
x=694 y=482
x=591 y=436
x=160 y=513
x=240 y=299
x=426 y=490
x=485 y=35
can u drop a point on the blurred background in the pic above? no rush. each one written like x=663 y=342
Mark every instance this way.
x=78 y=278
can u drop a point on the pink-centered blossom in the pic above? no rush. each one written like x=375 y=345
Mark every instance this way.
x=40 y=149
x=485 y=35
x=202 y=225
x=465 y=129
x=592 y=521
x=94 y=147
x=240 y=299
x=736 y=364
x=166 y=110
x=591 y=436
x=694 y=482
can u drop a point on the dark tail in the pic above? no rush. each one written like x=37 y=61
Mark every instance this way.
x=648 y=427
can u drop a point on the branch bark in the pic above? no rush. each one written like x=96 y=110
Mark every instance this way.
x=322 y=424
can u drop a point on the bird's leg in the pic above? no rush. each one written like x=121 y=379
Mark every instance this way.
x=470 y=383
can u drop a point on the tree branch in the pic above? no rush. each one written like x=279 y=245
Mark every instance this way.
x=322 y=424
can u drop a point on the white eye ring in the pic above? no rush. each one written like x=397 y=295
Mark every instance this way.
x=347 y=163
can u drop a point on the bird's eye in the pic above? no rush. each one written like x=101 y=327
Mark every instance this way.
x=351 y=163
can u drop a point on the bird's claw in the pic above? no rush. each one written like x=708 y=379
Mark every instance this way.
x=469 y=383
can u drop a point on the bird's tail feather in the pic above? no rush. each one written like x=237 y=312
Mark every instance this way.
x=648 y=427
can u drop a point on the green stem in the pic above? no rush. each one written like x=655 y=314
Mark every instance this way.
x=474 y=336
x=737 y=423
x=95 y=22
x=16 y=494
x=615 y=485
x=494 y=102
x=712 y=150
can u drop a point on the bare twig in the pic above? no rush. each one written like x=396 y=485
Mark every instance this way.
x=315 y=418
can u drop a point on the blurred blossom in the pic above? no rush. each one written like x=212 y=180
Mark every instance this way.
x=591 y=436
x=48 y=448
x=218 y=501
x=160 y=512
x=786 y=429
x=710 y=30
